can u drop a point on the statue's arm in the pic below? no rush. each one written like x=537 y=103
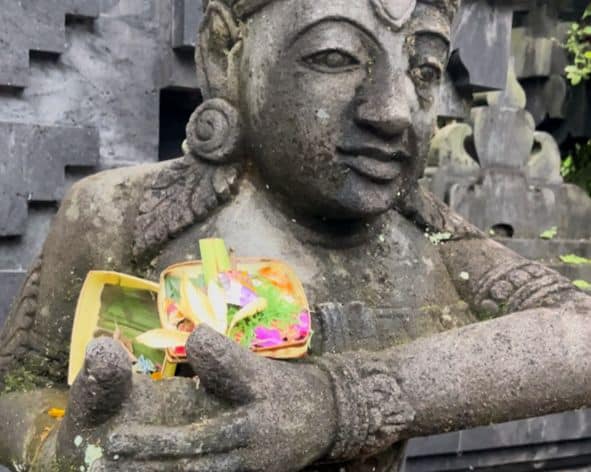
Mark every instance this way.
x=345 y=406
x=490 y=277
x=530 y=363
x=496 y=281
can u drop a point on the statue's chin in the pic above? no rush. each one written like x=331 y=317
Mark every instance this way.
x=355 y=197
x=363 y=207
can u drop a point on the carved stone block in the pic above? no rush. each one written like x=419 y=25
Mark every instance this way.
x=557 y=442
x=482 y=30
x=186 y=17
x=10 y=282
x=34 y=26
x=33 y=159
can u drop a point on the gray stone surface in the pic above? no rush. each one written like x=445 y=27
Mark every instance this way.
x=10 y=283
x=517 y=189
x=81 y=83
x=540 y=61
x=505 y=199
x=186 y=14
x=449 y=157
x=15 y=253
x=32 y=167
x=59 y=83
x=482 y=30
x=43 y=30
x=547 y=443
x=109 y=68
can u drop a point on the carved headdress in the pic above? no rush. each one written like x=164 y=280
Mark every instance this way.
x=396 y=11
x=221 y=31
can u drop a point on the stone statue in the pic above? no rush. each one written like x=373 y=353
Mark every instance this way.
x=511 y=185
x=308 y=148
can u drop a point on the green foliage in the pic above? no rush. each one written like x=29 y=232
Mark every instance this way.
x=62 y=465
x=573 y=259
x=132 y=312
x=576 y=167
x=172 y=288
x=582 y=284
x=549 y=233
x=578 y=44
x=279 y=311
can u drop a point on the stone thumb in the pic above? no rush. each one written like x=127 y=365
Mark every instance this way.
x=103 y=384
x=226 y=369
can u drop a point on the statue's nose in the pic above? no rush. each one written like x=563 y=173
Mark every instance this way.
x=384 y=107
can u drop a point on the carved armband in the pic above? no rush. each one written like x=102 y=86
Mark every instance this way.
x=372 y=411
x=521 y=285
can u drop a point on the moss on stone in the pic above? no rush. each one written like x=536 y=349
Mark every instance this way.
x=62 y=465
x=19 y=380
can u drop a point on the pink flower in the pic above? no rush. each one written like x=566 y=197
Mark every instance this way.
x=304 y=325
x=267 y=337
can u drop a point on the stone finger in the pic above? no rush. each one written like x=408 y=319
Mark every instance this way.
x=225 y=368
x=218 y=435
x=231 y=462
x=103 y=384
x=218 y=463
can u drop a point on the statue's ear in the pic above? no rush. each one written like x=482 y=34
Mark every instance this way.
x=218 y=53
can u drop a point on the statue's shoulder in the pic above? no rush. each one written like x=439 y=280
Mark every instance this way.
x=108 y=194
x=143 y=206
x=431 y=215
x=180 y=194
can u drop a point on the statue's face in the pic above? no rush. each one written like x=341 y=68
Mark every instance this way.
x=340 y=103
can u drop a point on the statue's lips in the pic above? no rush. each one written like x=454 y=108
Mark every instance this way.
x=375 y=164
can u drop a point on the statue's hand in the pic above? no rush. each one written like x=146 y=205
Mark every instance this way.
x=281 y=418
x=106 y=397
x=96 y=397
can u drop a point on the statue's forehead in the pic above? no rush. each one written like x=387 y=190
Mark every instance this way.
x=374 y=15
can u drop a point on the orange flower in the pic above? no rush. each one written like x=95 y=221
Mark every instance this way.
x=156 y=376
x=279 y=279
x=56 y=412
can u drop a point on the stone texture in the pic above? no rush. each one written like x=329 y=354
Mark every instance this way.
x=505 y=199
x=32 y=167
x=517 y=190
x=72 y=69
x=42 y=31
x=449 y=159
x=544 y=162
x=174 y=75
x=554 y=442
x=540 y=61
x=186 y=15
x=104 y=69
x=10 y=282
x=481 y=30
x=533 y=55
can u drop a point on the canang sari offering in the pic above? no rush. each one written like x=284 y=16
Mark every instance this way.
x=257 y=302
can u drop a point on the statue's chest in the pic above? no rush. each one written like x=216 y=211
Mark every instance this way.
x=397 y=272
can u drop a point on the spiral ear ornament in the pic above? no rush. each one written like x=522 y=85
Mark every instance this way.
x=214 y=132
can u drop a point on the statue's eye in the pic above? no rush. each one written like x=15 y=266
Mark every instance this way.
x=331 y=60
x=427 y=73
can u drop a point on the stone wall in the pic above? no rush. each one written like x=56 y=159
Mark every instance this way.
x=83 y=85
